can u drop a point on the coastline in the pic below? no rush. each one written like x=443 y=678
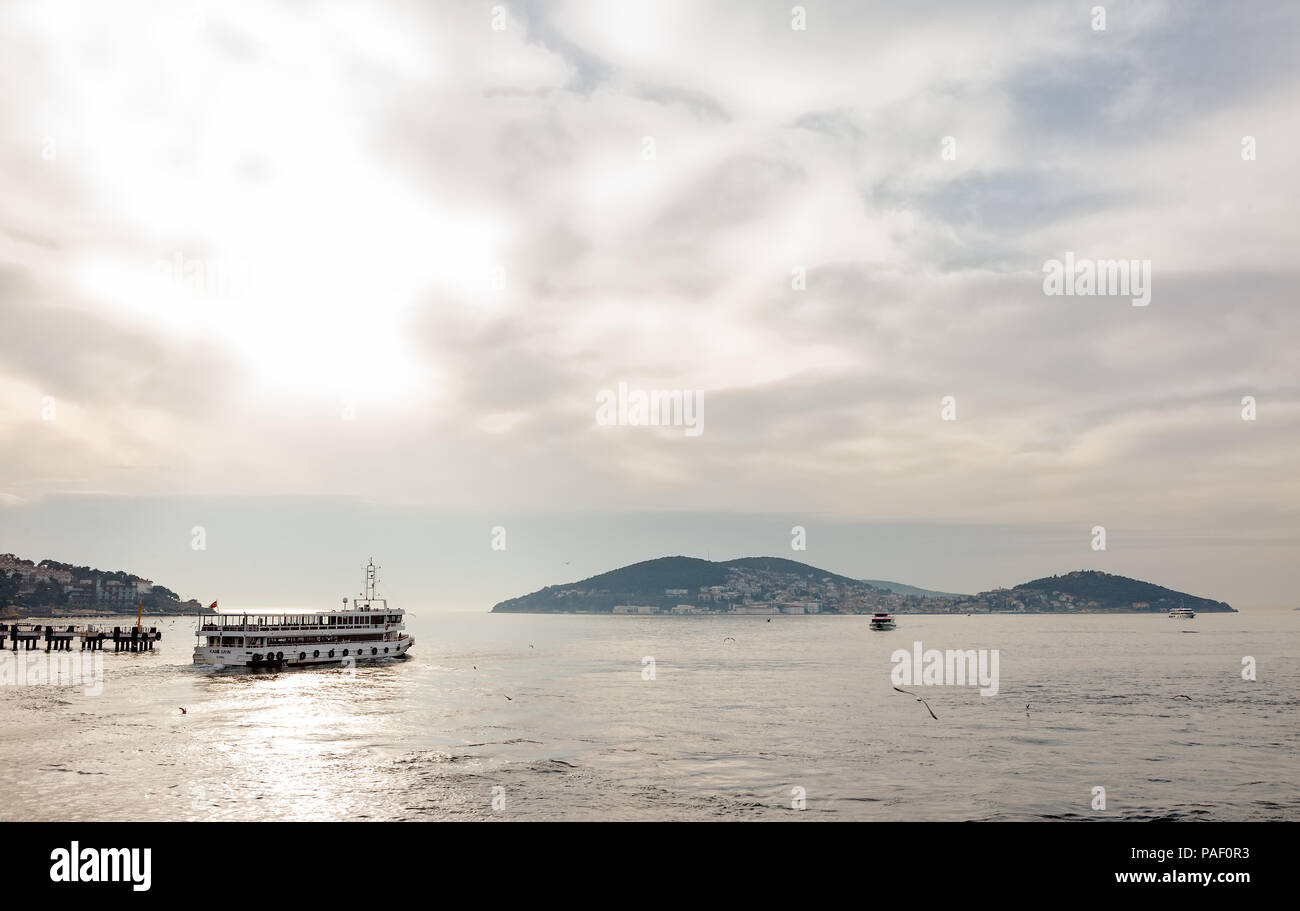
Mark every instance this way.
x=900 y=613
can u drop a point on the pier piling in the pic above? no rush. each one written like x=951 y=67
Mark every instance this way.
x=14 y=635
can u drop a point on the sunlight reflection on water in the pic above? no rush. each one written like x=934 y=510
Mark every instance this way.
x=550 y=717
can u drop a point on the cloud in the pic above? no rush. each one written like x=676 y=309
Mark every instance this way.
x=80 y=356
x=459 y=232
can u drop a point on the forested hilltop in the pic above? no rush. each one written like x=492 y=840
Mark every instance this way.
x=775 y=585
x=60 y=589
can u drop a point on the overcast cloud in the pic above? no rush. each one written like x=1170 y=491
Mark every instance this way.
x=225 y=228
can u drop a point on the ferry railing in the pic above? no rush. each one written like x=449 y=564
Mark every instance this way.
x=312 y=627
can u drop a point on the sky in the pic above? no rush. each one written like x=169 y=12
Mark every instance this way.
x=306 y=283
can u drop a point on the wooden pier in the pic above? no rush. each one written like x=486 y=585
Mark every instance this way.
x=28 y=637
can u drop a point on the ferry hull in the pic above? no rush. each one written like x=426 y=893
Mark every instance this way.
x=302 y=656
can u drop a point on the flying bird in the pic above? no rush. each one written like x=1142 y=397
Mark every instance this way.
x=1181 y=696
x=182 y=708
x=922 y=701
x=508 y=699
x=729 y=639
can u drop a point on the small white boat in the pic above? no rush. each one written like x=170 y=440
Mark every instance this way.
x=882 y=620
x=1182 y=613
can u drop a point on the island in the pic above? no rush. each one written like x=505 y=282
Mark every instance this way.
x=775 y=585
x=53 y=589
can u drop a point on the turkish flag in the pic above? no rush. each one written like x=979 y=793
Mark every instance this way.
x=212 y=606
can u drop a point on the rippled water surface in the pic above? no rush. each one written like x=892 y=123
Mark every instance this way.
x=725 y=730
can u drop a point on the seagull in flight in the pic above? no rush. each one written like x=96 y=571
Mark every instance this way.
x=922 y=701
x=1181 y=696
x=729 y=639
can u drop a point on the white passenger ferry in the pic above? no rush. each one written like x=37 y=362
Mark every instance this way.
x=882 y=620
x=1182 y=613
x=366 y=631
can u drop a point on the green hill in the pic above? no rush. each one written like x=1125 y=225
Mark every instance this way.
x=758 y=584
x=57 y=589
x=662 y=573
x=1112 y=592
x=649 y=583
x=789 y=567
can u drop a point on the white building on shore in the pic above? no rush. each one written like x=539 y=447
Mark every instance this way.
x=755 y=609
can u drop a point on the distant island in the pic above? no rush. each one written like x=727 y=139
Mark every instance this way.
x=59 y=589
x=774 y=585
